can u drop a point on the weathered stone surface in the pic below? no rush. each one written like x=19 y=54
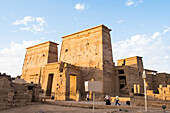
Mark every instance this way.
x=91 y=49
x=35 y=59
x=86 y=55
x=153 y=99
x=12 y=94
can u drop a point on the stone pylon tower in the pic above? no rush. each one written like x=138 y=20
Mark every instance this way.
x=91 y=50
x=35 y=60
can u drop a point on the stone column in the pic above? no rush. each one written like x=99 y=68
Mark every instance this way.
x=168 y=87
x=138 y=87
x=135 y=90
x=160 y=86
x=90 y=96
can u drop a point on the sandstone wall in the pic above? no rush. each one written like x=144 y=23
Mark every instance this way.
x=61 y=79
x=13 y=94
x=135 y=62
x=132 y=77
x=35 y=59
x=163 y=98
x=109 y=82
x=91 y=50
x=85 y=49
x=154 y=81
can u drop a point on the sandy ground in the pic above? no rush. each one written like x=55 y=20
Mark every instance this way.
x=45 y=108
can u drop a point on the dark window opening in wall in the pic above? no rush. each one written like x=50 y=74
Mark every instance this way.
x=87 y=43
x=60 y=75
x=30 y=87
x=66 y=50
x=140 y=74
x=43 y=55
x=122 y=81
x=124 y=62
x=132 y=90
x=121 y=71
x=32 y=82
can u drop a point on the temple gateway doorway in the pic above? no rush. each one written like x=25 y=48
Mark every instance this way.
x=73 y=87
x=49 y=84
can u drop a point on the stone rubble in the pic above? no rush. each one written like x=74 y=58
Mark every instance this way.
x=16 y=94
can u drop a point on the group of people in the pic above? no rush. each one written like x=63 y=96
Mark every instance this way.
x=108 y=101
x=107 y=98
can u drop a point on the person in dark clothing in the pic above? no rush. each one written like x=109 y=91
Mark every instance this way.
x=87 y=96
x=107 y=100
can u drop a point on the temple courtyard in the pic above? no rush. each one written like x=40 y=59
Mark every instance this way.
x=79 y=107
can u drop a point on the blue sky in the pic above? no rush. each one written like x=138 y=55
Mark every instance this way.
x=139 y=27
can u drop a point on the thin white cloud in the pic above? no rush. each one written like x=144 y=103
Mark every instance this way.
x=133 y=2
x=167 y=29
x=12 y=58
x=40 y=20
x=24 y=21
x=129 y=3
x=25 y=29
x=151 y=47
x=155 y=35
x=32 y=24
x=120 y=21
x=80 y=6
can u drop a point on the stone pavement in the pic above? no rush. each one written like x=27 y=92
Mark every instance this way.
x=98 y=105
x=51 y=106
x=46 y=108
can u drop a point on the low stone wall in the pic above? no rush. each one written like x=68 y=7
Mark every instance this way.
x=13 y=94
x=151 y=102
x=121 y=99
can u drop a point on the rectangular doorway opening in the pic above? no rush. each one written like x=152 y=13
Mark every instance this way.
x=49 y=84
x=73 y=87
x=122 y=81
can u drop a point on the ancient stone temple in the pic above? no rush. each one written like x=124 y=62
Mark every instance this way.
x=85 y=55
x=91 y=50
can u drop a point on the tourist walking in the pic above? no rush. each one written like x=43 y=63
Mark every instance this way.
x=107 y=100
x=117 y=101
x=87 y=96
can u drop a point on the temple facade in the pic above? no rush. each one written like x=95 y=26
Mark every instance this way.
x=86 y=55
